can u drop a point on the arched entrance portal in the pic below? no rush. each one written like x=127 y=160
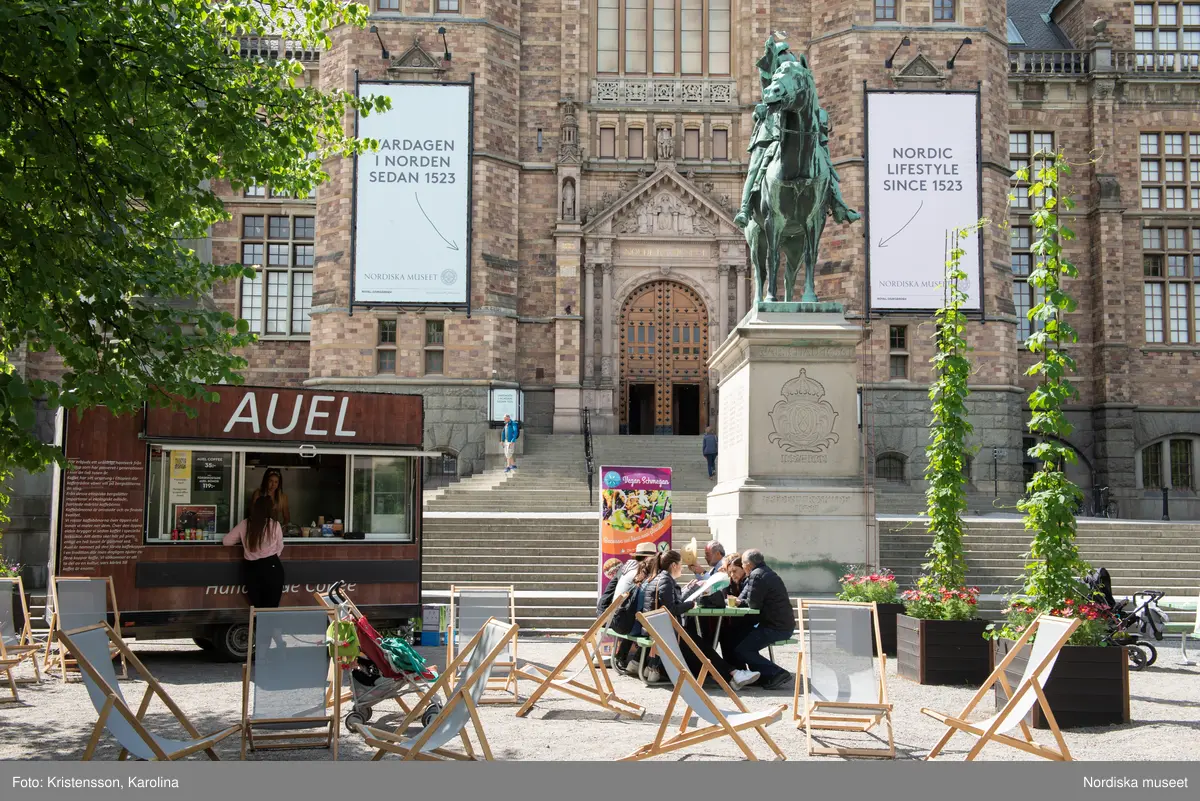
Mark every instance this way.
x=664 y=361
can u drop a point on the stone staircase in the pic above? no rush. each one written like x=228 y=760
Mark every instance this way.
x=1140 y=556
x=537 y=529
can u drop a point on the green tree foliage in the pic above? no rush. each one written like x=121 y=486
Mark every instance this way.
x=1054 y=568
x=114 y=117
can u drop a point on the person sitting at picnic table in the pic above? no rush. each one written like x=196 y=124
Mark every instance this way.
x=714 y=554
x=663 y=593
x=764 y=590
x=733 y=629
x=634 y=573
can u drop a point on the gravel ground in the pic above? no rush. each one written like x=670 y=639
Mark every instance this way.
x=54 y=720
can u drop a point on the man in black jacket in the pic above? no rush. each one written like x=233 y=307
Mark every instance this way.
x=776 y=619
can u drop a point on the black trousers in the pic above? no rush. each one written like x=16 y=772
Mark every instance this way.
x=264 y=582
x=693 y=662
x=733 y=631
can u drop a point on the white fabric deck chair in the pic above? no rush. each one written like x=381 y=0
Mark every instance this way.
x=91 y=649
x=844 y=685
x=16 y=646
x=667 y=635
x=1052 y=634
x=479 y=655
x=470 y=608
x=600 y=690
x=78 y=603
x=286 y=680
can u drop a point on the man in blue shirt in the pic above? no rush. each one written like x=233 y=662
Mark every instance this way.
x=508 y=440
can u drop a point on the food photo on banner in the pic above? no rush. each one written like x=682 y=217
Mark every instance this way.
x=635 y=506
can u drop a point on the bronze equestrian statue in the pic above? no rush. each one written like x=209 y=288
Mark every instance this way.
x=792 y=184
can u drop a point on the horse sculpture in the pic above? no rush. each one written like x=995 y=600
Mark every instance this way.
x=793 y=196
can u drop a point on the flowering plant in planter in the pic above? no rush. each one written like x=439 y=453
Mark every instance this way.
x=943 y=603
x=867 y=587
x=1020 y=613
x=9 y=569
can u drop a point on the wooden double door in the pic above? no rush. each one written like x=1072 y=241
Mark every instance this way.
x=664 y=361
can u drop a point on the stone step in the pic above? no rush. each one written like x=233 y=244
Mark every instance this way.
x=460 y=579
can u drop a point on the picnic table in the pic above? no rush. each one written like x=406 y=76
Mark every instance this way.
x=720 y=613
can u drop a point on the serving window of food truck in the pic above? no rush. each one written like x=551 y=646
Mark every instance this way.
x=149 y=497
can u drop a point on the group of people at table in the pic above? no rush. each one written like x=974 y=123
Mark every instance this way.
x=741 y=638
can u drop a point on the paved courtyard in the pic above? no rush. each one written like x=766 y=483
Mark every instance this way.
x=54 y=720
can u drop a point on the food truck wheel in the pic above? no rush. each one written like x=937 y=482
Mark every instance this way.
x=204 y=642
x=232 y=642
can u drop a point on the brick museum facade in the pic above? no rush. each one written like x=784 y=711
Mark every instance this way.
x=609 y=155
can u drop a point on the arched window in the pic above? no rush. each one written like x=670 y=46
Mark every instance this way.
x=1169 y=462
x=889 y=467
x=663 y=37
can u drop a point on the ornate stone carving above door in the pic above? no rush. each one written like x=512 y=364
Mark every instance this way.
x=664 y=213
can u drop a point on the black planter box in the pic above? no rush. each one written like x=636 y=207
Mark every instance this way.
x=1089 y=685
x=942 y=651
x=887 y=626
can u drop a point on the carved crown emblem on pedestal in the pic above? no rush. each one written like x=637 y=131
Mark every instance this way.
x=803 y=420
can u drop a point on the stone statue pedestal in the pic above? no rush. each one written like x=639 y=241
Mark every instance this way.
x=790 y=470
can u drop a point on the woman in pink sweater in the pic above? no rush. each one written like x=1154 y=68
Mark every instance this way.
x=261 y=539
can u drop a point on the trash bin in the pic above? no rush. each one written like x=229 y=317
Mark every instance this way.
x=433 y=624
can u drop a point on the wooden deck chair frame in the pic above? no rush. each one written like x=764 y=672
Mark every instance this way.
x=11 y=656
x=959 y=722
x=810 y=714
x=115 y=705
x=61 y=659
x=392 y=742
x=302 y=739
x=506 y=687
x=600 y=691
x=661 y=744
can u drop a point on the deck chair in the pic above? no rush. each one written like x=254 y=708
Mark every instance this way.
x=843 y=684
x=600 y=690
x=80 y=602
x=470 y=608
x=91 y=650
x=16 y=646
x=285 y=682
x=667 y=634
x=1052 y=634
x=473 y=666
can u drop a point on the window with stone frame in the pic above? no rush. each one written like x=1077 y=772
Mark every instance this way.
x=720 y=144
x=889 y=468
x=448 y=6
x=1181 y=463
x=608 y=142
x=278 y=300
x=691 y=143
x=1025 y=294
x=898 y=352
x=1170 y=290
x=885 y=11
x=1170 y=170
x=387 y=5
x=1169 y=463
x=1028 y=149
x=637 y=144
x=255 y=190
x=663 y=37
x=1167 y=35
x=385 y=348
x=944 y=11
x=435 y=347
x=1152 y=475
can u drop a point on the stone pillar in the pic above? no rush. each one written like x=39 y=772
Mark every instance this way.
x=723 y=299
x=607 y=368
x=589 y=322
x=790 y=479
x=740 y=281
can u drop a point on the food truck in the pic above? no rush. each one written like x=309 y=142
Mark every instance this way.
x=148 y=497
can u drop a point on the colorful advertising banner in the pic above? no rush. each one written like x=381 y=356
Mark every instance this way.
x=635 y=506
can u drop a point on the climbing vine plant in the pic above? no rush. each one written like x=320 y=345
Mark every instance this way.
x=1054 y=568
x=946 y=453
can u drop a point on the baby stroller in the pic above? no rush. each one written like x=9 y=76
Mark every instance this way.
x=1130 y=627
x=382 y=671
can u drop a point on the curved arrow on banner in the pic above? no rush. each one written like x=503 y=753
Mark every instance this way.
x=449 y=244
x=883 y=242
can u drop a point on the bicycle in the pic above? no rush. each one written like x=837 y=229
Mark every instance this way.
x=1102 y=505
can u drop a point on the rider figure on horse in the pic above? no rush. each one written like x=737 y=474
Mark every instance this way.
x=764 y=141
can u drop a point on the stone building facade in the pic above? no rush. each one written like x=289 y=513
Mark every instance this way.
x=609 y=154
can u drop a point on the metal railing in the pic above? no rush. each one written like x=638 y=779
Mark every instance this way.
x=589 y=459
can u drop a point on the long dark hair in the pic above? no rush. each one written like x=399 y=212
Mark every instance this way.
x=266 y=480
x=646 y=570
x=261 y=512
x=665 y=560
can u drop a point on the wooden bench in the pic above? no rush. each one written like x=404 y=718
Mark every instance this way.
x=1185 y=630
